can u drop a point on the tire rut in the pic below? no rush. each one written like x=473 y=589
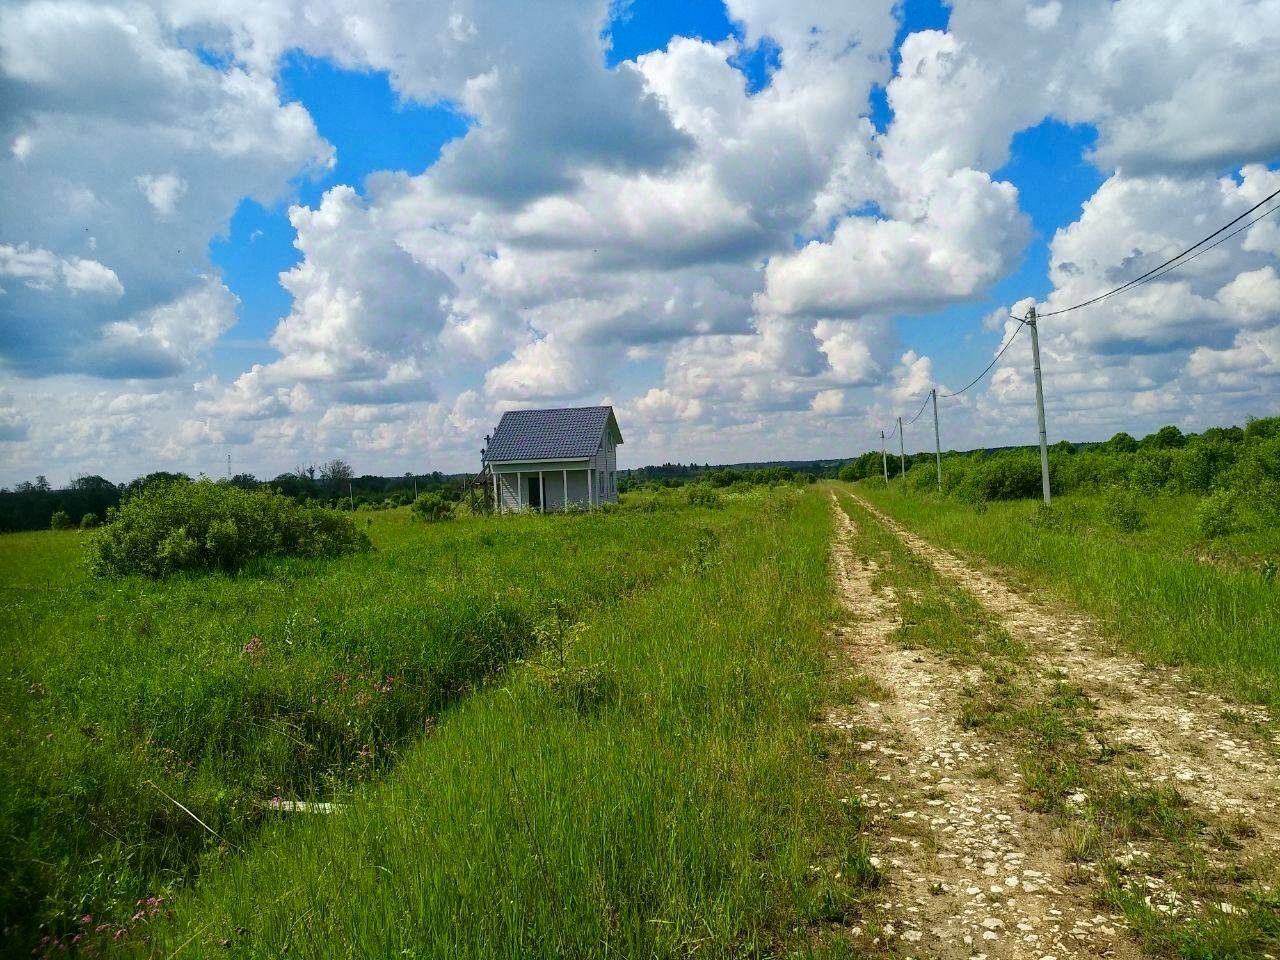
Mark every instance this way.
x=1177 y=729
x=970 y=872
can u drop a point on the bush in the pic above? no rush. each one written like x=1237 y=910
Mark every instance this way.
x=703 y=495
x=89 y=521
x=184 y=525
x=61 y=520
x=430 y=506
x=1122 y=510
x=1216 y=514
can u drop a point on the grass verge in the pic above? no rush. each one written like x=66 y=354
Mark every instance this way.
x=652 y=787
x=148 y=722
x=1152 y=595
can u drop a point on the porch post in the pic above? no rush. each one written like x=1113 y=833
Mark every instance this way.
x=519 y=492
x=564 y=505
x=542 y=494
x=497 y=504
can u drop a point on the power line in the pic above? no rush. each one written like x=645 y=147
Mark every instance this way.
x=920 y=411
x=1223 y=239
x=1172 y=262
x=994 y=361
x=925 y=400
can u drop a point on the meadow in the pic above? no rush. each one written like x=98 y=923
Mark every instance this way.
x=544 y=735
x=1142 y=565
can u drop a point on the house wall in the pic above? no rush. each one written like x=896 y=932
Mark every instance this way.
x=605 y=465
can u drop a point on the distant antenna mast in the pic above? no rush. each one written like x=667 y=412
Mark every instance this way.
x=228 y=466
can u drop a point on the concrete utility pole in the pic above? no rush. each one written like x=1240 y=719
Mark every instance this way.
x=1044 y=436
x=902 y=450
x=937 y=438
x=884 y=457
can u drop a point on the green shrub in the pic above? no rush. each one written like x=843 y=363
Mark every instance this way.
x=1217 y=514
x=89 y=521
x=184 y=525
x=703 y=495
x=430 y=506
x=61 y=520
x=1122 y=510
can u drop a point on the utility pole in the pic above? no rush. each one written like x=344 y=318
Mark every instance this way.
x=937 y=437
x=884 y=458
x=228 y=466
x=1044 y=436
x=902 y=450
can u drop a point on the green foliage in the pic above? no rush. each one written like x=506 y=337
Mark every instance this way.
x=1121 y=509
x=702 y=495
x=1217 y=514
x=225 y=692
x=430 y=506
x=89 y=521
x=176 y=526
x=676 y=738
x=1237 y=470
x=61 y=520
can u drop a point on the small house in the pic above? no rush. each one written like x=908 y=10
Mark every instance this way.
x=558 y=459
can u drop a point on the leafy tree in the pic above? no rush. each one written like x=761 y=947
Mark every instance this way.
x=1166 y=438
x=430 y=506
x=1121 y=443
x=336 y=476
x=61 y=520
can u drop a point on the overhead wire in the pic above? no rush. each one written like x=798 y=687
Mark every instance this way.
x=987 y=369
x=920 y=411
x=1173 y=262
x=1186 y=256
x=942 y=396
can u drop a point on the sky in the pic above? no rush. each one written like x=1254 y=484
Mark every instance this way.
x=761 y=229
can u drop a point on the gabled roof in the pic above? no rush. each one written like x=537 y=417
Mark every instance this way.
x=566 y=433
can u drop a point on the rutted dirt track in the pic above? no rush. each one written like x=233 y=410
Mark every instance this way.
x=971 y=873
x=1178 y=730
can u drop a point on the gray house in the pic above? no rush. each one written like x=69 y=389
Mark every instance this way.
x=554 y=459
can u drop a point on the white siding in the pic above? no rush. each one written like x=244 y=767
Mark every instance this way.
x=605 y=466
x=553 y=478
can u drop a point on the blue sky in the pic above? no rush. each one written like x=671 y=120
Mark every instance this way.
x=759 y=229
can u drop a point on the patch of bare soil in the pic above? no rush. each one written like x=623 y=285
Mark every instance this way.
x=969 y=872
x=1179 y=731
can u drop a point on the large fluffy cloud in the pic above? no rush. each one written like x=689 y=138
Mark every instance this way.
x=726 y=263
x=126 y=153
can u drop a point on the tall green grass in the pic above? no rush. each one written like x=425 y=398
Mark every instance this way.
x=657 y=792
x=125 y=700
x=1153 y=589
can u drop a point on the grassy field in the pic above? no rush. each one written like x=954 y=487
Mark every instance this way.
x=1162 y=590
x=639 y=773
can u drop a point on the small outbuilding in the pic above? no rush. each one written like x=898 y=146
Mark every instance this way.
x=559 y=459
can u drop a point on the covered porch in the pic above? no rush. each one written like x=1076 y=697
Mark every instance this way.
x=550 y=486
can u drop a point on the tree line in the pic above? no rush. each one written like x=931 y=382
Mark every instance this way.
x=37 y=504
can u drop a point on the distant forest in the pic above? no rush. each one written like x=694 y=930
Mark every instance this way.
x=1167 y=459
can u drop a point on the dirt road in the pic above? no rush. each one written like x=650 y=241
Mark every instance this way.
x=972 y=871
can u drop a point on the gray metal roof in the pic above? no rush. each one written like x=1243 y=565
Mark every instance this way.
x=567 y=433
